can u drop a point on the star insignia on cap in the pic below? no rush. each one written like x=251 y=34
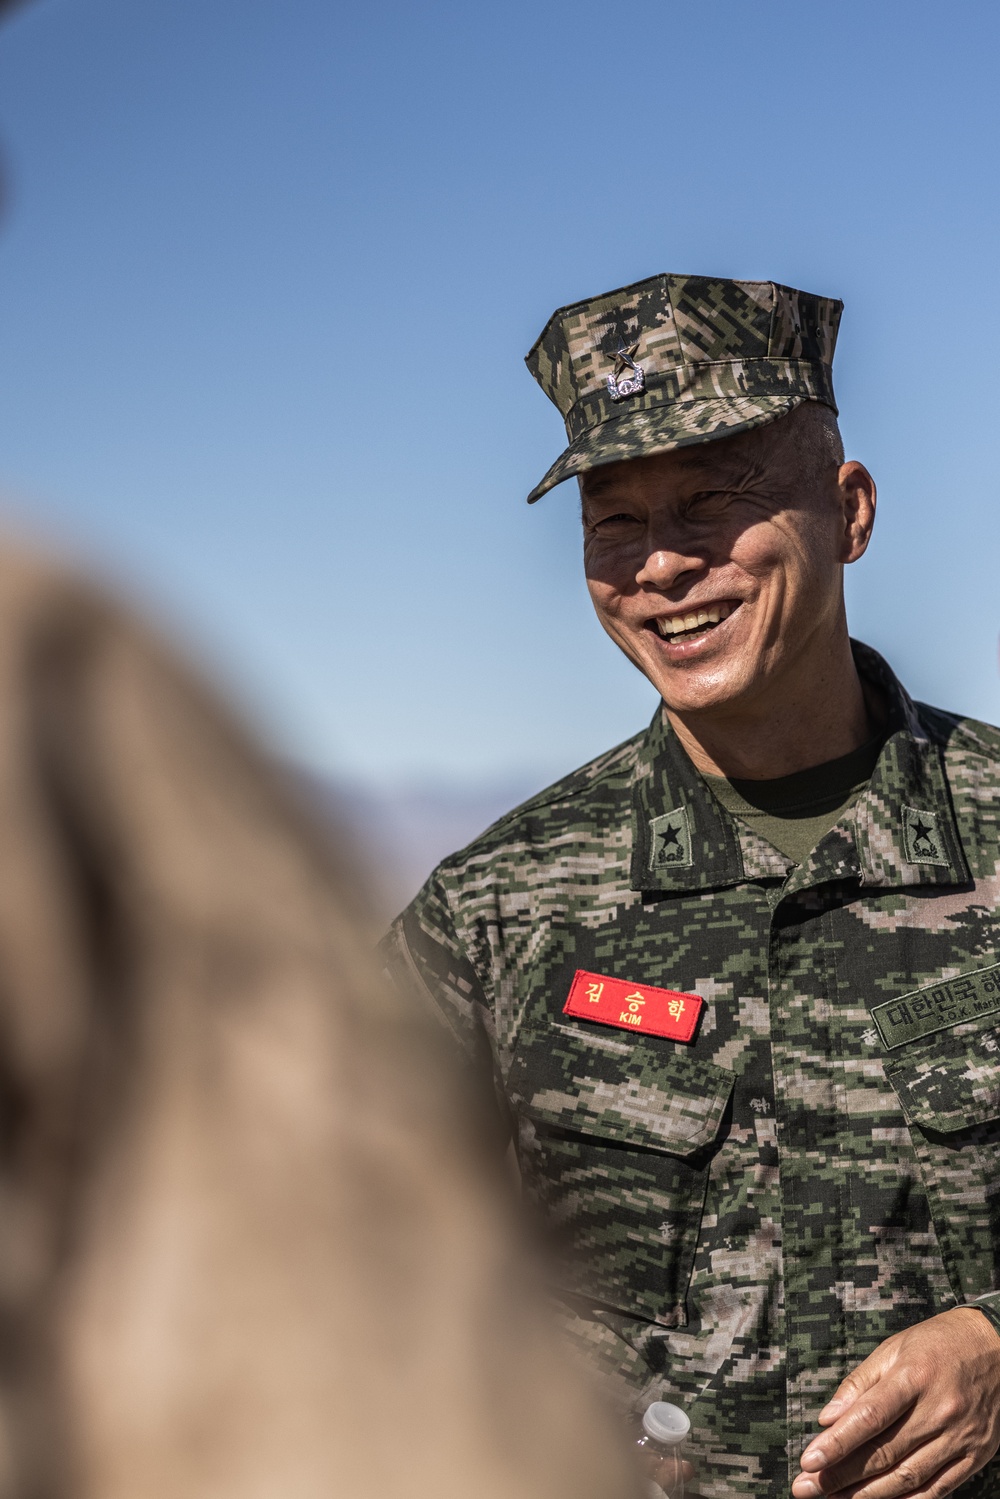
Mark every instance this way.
x=625 y=358
x=622 y=384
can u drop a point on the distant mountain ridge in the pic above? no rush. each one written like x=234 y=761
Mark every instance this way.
x=403 y=831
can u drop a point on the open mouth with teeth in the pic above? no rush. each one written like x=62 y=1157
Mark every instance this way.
x=694 y=622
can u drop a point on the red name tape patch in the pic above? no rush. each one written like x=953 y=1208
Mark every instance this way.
x=634 y=1007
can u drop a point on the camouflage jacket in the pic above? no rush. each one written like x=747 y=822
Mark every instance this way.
x=752 y=1212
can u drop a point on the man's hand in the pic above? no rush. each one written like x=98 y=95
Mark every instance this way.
x=918 y=1417
x=665 y=1472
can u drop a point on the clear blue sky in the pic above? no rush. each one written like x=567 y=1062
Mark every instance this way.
x=269 y=269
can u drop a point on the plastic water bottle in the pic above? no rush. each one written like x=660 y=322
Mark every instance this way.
x=664 y=1432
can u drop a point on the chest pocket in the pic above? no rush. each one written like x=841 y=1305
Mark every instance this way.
x=949 y=1091
x=617 y=1134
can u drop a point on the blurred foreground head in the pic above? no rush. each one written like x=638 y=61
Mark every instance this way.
x=248 y=1244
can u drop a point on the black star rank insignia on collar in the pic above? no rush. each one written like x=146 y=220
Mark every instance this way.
x=670 y=840
x=921 y=839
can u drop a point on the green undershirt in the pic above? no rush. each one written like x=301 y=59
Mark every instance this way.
x=794 y=812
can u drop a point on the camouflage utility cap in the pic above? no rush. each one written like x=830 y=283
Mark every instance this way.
x=676 y=360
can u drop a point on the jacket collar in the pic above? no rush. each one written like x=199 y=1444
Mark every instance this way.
x=902 y=831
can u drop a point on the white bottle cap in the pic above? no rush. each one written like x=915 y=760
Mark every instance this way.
x=665 y=1423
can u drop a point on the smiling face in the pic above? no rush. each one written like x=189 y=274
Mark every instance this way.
x=718 y=568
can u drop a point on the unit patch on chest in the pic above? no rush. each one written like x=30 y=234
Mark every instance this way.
x=633 y=1007
x=937 y=1007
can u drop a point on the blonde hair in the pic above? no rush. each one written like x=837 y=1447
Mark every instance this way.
x=248 y=1247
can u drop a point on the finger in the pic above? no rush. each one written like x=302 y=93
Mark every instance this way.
x=868 y=1373
x=664 y=1472
x=872 y=1413
x=867 y=1461
x=926 y=1478
x=886 y=1469
x=666 y=1467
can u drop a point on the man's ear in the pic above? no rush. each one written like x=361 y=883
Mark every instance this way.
x=858 y=496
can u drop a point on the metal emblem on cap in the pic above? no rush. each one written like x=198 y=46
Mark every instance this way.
x=620 y=385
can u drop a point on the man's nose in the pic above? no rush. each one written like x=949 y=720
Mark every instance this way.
x=665 y=567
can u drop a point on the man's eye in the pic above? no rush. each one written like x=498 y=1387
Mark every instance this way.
x=615 y=521
x=709 y=501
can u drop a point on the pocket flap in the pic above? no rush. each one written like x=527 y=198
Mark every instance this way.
x=638 y=1091
x=948 y=1090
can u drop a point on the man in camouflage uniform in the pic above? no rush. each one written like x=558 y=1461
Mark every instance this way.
x=748 y=1045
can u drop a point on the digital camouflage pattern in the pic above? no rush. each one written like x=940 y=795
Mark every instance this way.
x=715 y=356
x=745 y=1217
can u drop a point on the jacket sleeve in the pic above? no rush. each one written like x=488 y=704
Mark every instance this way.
x=427 y=960
x=989 y=1305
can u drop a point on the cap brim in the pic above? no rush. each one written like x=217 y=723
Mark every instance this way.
x=660 y=429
